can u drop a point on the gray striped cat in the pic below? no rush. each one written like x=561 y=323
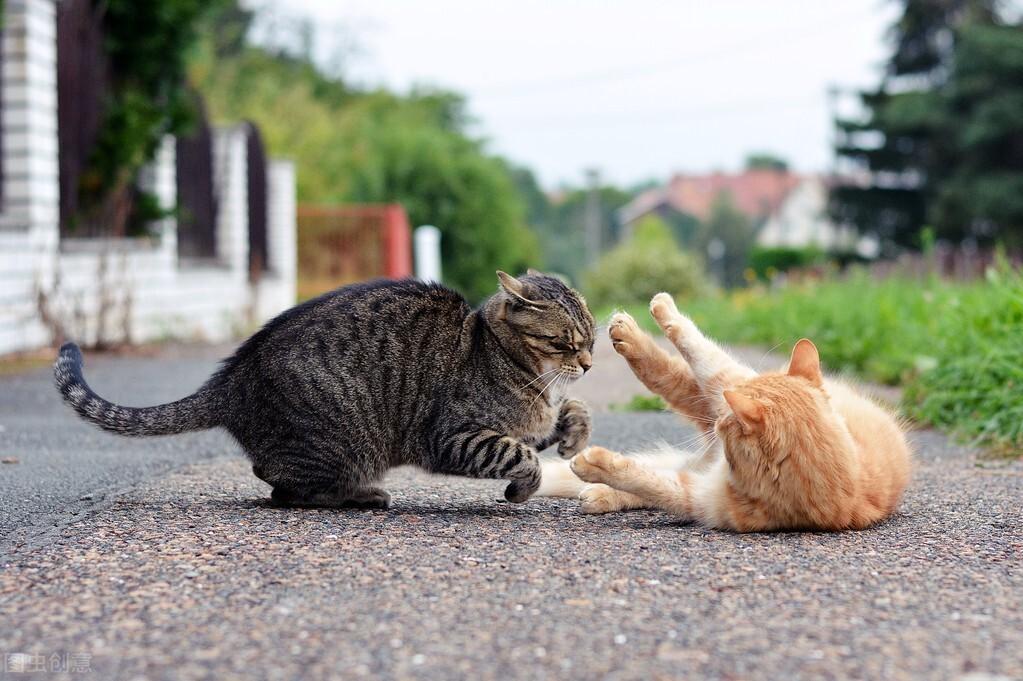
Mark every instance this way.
x=332 y=393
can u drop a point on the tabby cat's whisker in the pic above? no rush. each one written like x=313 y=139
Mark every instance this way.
x=546 y=373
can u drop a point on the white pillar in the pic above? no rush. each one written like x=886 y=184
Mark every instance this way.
x=427 y=253
x=281 y=228
x=31 y=183
x=230 y=181
x=159 y=177
x=30 y=206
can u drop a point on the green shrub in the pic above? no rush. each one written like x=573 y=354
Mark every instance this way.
x=957 y=348
x=642 y=403
x=649 y=262
x=765 y=261
x=975 y=385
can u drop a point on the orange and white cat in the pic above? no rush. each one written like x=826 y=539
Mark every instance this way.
x=787 y=450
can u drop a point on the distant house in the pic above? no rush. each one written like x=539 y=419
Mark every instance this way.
x=786 y=208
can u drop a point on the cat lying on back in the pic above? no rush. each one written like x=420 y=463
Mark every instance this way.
x=790 y=450
x=334 y=392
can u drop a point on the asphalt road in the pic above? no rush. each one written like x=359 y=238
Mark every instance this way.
x=161 y=559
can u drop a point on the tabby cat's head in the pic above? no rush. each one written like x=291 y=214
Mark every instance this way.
x=546 y=322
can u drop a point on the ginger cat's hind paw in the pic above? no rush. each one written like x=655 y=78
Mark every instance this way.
x=597 y=464
x=599 y=498
x=625 y=334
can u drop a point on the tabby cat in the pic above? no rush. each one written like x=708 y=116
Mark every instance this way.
x=786 y=450
x=328 y=396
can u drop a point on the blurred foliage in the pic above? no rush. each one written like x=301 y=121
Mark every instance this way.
x=943 y=133
x=146 y=45
x=650 y=262
x=734 y=233
x=975 y=384
x=558 y=220
x=641 y=403
x=766 y=161
x=372 y=146
x=766 y=261
x=954 y=346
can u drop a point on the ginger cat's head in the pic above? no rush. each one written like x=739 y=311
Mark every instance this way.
x=783 y=439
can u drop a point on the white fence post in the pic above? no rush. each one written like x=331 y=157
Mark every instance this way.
x=427 y=253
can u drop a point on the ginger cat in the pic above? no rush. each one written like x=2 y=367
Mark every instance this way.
x=788 y=450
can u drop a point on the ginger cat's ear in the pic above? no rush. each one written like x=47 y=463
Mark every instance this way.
x=806 y=362
x=749 y=411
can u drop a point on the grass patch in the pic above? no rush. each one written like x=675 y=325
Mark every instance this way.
x=641 y=403
x=956 y=348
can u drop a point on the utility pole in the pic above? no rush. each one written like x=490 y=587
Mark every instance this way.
x=591 y=224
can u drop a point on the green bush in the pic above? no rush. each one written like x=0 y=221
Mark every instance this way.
x=765 y=261
x=649 y=262
x=957 y=348
x=975 y=385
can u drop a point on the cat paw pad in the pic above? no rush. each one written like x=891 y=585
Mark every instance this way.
x=624 y=332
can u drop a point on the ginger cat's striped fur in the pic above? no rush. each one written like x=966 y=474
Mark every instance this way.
x=792 y=450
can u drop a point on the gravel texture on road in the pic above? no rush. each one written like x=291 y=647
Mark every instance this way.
x=190 y=574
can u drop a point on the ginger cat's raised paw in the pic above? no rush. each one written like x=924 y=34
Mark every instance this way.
x=599 y=498
x=625 y=333
x=676 y=325
x=663 y=308
x=597 y=464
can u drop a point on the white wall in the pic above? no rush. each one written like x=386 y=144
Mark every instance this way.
x=120 y=290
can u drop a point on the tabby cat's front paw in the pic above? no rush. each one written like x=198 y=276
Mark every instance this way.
x=597 y=464
x=575 y=425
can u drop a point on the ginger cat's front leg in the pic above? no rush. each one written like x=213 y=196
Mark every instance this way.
x=713 y=368
x=663 y=374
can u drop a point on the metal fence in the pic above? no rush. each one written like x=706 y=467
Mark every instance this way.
x=257 y=188
x=339 y=245
x=197 y=200
x=83 y=80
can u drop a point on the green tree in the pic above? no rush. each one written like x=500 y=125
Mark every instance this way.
x=727 y=237
x=982 y=192
x=373 y=146
x=643 y=265
x=763 y=160
x=146 y=45
x=914 y=138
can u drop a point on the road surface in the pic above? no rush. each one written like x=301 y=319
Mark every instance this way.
x=161 y=559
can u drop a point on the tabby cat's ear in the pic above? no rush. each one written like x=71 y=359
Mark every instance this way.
x=749 y=411
x=806 y=362
x=535 y=273
x=515 y=288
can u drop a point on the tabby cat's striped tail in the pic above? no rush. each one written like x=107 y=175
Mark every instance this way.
x=195 y=412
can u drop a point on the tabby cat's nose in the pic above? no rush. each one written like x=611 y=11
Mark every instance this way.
x=585 y=361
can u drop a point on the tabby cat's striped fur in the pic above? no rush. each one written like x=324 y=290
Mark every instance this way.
x=334 y=392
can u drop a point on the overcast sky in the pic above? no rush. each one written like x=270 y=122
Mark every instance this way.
x=636 y=88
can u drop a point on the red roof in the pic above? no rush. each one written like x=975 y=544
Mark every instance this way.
x=756 y=193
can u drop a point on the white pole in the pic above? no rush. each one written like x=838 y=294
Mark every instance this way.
x=427 y=253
